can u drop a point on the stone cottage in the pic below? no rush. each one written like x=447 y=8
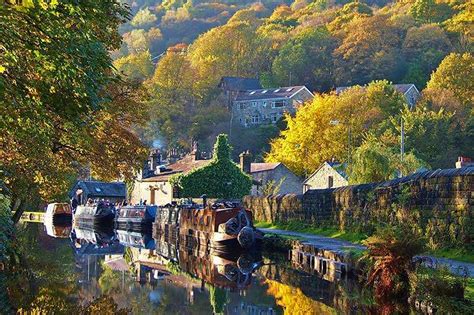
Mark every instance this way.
x=328 y=175
x=263 y=173
x=154 y=186
x=266 y=106
x=409 y=91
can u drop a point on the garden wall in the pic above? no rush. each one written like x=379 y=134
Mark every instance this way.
x=440 y=203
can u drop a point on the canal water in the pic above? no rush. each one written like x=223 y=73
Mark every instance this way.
x=108 y=271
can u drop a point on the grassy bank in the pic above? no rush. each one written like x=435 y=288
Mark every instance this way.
x=324 y=231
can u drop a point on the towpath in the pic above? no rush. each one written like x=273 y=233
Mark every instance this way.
x=338 y=245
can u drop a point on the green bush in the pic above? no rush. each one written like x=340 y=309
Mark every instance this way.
x=221 y=178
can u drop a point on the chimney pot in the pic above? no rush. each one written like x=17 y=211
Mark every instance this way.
x=245 y=161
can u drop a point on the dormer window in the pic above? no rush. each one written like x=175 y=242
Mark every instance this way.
x=277 y=90
x=252 y=93
x=264 y=91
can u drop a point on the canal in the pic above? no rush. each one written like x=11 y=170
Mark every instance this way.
x=104 y=271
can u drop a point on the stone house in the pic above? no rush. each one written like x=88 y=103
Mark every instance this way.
x=85 y=189
x=328 y=175
x=267 y=106
x=154 y=187
x=263 y=173
x=409 y=91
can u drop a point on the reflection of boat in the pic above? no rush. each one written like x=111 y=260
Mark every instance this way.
x=136 y=216
x=57 y=231
x=101 y=213
x=221 y=225
x=58 y=213
x=137 y=239
x=88 y=240
x=231 y=270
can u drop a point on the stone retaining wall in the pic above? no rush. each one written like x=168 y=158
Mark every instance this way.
x=440 y=202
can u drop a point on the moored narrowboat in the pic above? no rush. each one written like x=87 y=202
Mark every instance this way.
x=99 y=213
x=137 y=239
x=58 y=214
x=136 y=217
x=223 y=225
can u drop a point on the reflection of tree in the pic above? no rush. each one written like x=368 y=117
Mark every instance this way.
x=104 y=305
x=110 y=280
x=218 y=299
x=294 y=301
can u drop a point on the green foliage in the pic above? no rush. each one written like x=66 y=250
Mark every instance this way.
x=221 y=178
x=218 y=299
x=374 y=161
x=441 y=288
x=306 y=60
x=136 y=67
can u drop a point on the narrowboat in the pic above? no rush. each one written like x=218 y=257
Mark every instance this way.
x=135 y=239
x=222 y=225
x=58 y=214
x=101 y=213
x=90 y=240
x=136 y=217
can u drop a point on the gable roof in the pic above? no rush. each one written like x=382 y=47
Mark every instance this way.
x=184 y=165
x=338 y=167
x=402 y=88
x=100 y=189
x=270 y=93
x=239 y=83
x=262 y=167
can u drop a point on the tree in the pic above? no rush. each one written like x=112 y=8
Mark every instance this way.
x=461 y=23
x=456 y=74
x=320 y=130
x=62 y=104
x=374 y=161
x=370 y=50
x=306 y=60
x=424 y=47
x=430 y=11
x=221 y=178
x=136 y=67
x=143 y=18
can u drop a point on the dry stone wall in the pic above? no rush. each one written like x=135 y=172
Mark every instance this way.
x=440 y=203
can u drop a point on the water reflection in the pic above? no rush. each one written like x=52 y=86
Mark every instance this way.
x=141 y=273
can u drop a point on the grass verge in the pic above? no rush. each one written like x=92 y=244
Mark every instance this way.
x=353 y=237
x=459 y=254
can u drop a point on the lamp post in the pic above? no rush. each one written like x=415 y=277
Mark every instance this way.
x=402 y=143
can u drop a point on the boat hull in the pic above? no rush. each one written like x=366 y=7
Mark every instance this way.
x=107 y=219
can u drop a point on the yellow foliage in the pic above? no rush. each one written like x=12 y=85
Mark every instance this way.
x=294 y=301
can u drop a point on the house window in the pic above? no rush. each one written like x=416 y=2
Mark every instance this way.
x=255 y=119
x=278 y=104
x=242 y=105
x=254 y=104
x=274 y=117
x=330 y=181
x=264 y=104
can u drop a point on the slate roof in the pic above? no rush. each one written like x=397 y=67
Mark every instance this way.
x=239 y=83
x=262 y=167
x=100 y=189
x=402 y=88
x=270 y=93
x=185 y=165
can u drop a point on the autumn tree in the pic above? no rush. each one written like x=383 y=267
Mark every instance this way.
x=136 y=67
x=306 y=60
x=332 y=124
x=369 y=51
x=62 y=105
x=424 y=47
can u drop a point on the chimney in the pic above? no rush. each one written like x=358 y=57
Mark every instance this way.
x=196 y=153
x=245 y=161
x=155 y=159
x=464 y=162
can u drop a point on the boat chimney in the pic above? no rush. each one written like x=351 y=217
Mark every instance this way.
x=204 y=200
x=245 y=161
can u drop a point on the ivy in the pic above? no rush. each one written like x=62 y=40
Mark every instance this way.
x=221 y=178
